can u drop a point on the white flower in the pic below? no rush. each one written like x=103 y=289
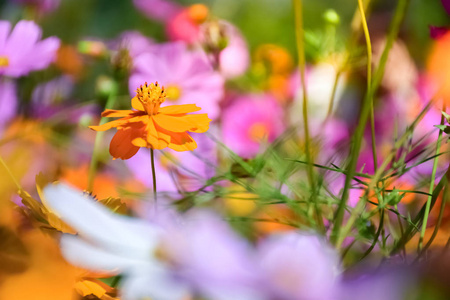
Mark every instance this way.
x=107 y=242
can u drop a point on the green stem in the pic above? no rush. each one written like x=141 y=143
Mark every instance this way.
x=365 y=110
x=152 y=157
x=298 y=10
x=98 y=140
x=301 y=66
x=438 y=223
x=333 y=94
x=369 y=79
x=13 y=178
x=430 y=191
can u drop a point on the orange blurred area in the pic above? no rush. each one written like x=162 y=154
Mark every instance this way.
x=438 y=67
x=47 y=275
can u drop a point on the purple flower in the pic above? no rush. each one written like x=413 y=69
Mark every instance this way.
x=8 y=102
x=299 y=266
x=187 y=76
x=234 y=59
x=250 y=121
x=161 y=10
x=21 y=51
x=215 y=261
x=387 y=284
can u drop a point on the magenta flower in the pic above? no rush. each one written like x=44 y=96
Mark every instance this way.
x=160 y=10
x=187 y=76
x=208 y=254
x=21 y=51
x=250 y=121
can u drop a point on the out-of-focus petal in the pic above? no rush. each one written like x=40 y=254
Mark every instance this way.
x=122 y=142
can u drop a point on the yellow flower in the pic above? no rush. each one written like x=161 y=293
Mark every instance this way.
x=152 y=126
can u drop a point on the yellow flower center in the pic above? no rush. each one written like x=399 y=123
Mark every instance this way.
x=173 y=92
x=151 y=96
x=258 y=131
x=4 y=61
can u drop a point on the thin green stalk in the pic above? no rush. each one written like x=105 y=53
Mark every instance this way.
x=438 y=223
x=98 y=140
x=152 y=158
x=301 y=66
x=13 y=178
x=433 y=178
x=298 y=10
x=400 y=11
x=333 y=94
x=377 y=235
x=369 y=79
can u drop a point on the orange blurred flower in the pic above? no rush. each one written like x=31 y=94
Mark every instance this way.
x=152 y=126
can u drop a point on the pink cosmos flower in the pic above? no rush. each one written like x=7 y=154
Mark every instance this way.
x=160 y=10
x=250 y=121
x=234 y=59
x=187 y=76
x=21 y=50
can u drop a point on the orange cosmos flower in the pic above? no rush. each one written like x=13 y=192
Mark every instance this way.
x=152 y=126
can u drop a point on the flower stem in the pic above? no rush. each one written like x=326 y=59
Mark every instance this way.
x=98 y=140
x=301 y=66
x=365 y=110
x=433 y=178
x=152 y=158
x=13 y=178
x=298 y=11
x=369 y=80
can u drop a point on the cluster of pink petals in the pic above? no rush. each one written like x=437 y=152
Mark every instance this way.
x=245 y=112
x=174 y=65
x=24 y=50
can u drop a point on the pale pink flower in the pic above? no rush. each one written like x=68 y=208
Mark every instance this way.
x=187 y=76
x=22 y=51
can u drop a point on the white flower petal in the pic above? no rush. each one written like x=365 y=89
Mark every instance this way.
x=98 y=224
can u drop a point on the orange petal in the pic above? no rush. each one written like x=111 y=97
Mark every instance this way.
x=182 y=141
x=155 y=138
x=179 y=141
x=112 y=113
x=136 y=104
x=109 y=125
x=194 y=123
x=121 y=144
x=179 y=109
